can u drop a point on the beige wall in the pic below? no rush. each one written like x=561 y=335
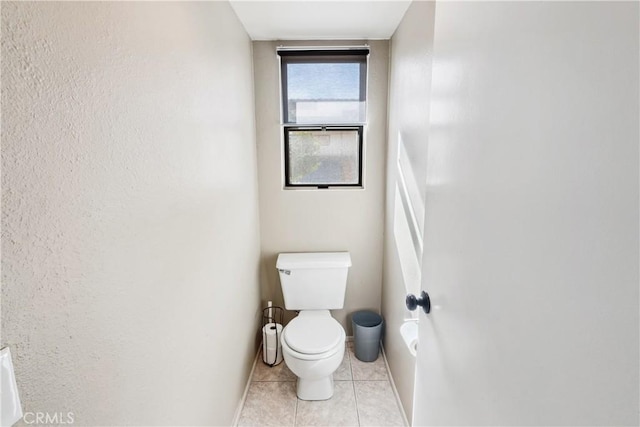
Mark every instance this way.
x=409 y=98
x=130 y=236
x=322 y=220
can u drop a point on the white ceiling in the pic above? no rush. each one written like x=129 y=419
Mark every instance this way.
x=320 y=20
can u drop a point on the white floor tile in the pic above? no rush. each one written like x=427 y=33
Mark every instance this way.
x=271 y=403
x=377 y=404
x=367 y=371
x=340 y=410
x=362 y=397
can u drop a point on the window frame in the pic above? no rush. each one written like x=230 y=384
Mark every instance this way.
x=321 y=55
x=328 y=56
x=288 y=129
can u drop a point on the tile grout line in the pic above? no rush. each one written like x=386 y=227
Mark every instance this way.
x=355 y=398
x=295 y=411
x=353 y=386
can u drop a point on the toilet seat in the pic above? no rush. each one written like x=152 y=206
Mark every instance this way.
x=313 y=335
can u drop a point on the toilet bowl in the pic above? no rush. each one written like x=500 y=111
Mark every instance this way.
x=313 y=347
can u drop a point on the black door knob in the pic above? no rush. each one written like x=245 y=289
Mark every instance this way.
x=424 y=301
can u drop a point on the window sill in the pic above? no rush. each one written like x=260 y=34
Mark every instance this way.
x=320 y=189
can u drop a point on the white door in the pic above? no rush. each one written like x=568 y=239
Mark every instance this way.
x=531 y=220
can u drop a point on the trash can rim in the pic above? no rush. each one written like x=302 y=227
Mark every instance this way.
x=367 y=319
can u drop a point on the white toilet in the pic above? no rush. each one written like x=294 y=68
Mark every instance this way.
x=313 y=342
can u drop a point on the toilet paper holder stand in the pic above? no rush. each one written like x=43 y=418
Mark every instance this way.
x=272 y=319
x=272 y=314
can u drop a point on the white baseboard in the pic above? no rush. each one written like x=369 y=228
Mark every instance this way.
x=236 y=417
x=395 y=390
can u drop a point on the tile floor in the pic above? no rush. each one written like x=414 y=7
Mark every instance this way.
x=363 y=397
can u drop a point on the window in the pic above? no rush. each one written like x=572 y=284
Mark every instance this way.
x=317 y=157
x=323 y=114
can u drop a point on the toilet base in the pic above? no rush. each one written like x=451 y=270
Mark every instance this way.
x=316 y=389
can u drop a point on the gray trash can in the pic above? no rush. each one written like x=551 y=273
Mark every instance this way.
x=367 y=329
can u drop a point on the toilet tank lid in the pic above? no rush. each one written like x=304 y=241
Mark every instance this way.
x=291 y=261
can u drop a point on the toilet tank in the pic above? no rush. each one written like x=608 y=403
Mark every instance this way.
x=313 y=280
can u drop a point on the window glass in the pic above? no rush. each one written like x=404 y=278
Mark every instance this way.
x=324 y=93
x=329 y=157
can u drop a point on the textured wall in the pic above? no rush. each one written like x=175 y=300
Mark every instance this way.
x=322 y=220
x=130 y=235
x=409 y=99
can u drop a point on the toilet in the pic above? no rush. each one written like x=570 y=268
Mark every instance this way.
x=313 y=342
